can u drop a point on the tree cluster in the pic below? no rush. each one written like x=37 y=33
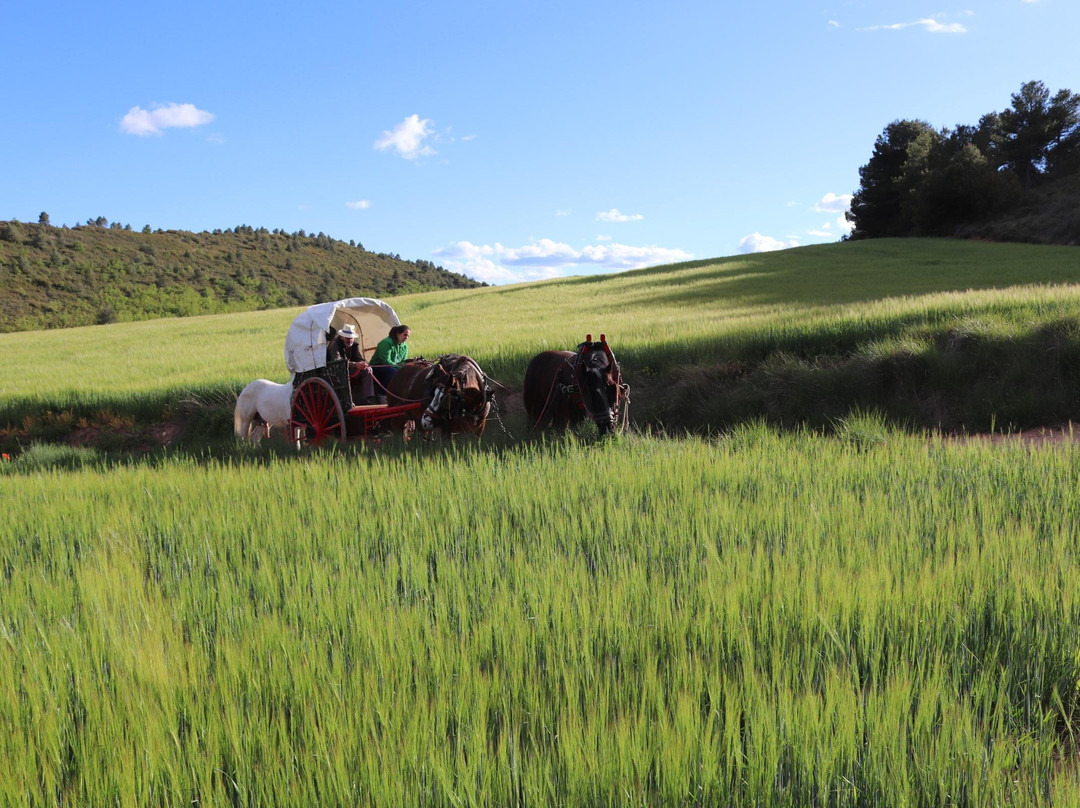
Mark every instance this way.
x=926 y=182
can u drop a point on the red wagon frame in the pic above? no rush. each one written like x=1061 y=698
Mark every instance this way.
x=322 y=407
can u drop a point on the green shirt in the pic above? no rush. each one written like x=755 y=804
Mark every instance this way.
x=390 y=352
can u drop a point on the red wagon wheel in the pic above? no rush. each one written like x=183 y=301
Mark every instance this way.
x=316 y=413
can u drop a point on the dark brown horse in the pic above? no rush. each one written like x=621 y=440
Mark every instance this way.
x=562 y=387
x=454 y=392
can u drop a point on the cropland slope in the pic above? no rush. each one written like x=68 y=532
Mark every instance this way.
x=931 y=334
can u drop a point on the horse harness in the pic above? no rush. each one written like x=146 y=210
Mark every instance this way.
x=595 y=358
x=447 y=380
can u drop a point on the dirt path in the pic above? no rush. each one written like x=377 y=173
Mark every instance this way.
x=1069 y=432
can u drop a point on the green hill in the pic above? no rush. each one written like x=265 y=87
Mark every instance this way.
x=95 y=274
x=930 y=333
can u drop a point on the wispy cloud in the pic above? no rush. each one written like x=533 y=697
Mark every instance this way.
x=546 y=258
x=835 y=229
x=614 y=215
x=157 y=119
x=359 y=204
x=756 y=242
x=931 y=25
x=407 y=138
x=834 y=24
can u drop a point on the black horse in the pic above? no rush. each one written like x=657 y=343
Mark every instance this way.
x=562 y=387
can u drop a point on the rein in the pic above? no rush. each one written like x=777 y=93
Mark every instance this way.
x=386 y=390
x=551 y=391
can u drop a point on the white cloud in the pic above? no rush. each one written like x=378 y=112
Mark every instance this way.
x=542 y=253
x=614 y=215
x=623 y=257
x=466 y=251
x=834 y=24
x=833 y=203
x=546 y=258
x=563 y=212
x=844 y=226
x=476 y=261
x=407 y=138
x=139 y=121
x=359 y=204
x=931 y=25
x=755 y=243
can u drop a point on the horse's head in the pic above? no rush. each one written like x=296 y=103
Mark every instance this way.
x=460 y=396
x=598 y=378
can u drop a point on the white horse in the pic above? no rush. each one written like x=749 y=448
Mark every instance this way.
x=260 y=407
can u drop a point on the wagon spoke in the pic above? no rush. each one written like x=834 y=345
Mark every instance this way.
x=317 y=411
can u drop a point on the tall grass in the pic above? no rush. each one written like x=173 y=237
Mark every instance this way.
x=764 y=620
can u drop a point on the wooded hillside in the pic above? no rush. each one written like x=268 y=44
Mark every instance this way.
x=99 y=273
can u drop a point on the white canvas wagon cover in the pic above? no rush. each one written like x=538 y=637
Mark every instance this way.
x=305 y=342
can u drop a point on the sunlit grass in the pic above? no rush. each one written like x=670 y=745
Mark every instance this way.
x=841 y=296
x=645 y=622
x=762 y=619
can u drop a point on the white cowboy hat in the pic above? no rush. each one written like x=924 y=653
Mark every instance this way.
x=348 y=332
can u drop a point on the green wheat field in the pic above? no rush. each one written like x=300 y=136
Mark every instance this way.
x=870 y=617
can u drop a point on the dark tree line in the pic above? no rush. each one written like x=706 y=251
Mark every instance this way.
x=926 y=182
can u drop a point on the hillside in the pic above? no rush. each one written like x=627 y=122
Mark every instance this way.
x=949 y=335
x=95 y=274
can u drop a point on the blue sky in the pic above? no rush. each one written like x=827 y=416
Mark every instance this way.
x=510 y=141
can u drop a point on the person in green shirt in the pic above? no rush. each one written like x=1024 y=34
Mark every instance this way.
x=389 y=354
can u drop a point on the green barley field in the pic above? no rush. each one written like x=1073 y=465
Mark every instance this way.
x=760 y=618
x=861 y=297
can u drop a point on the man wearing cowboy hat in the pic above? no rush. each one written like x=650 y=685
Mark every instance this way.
x=345 y=346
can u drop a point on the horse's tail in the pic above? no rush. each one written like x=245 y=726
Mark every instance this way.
x=243 y=415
